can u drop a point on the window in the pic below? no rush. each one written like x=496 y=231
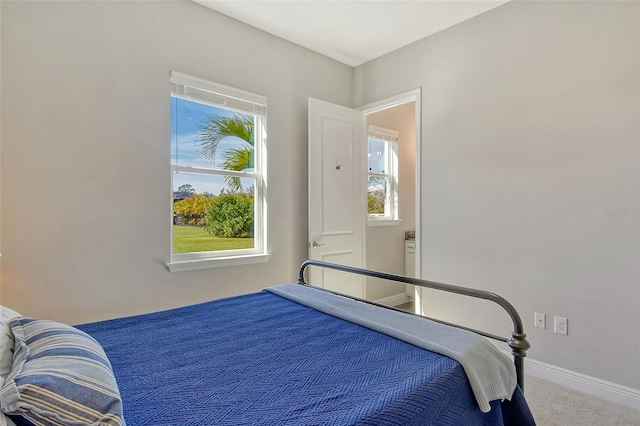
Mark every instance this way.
x=217 y=175
x=382 y=185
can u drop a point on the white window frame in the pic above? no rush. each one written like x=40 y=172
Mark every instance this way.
x=391 y=210
x=209 y=93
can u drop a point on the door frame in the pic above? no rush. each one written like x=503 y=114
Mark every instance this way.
x=414 y=95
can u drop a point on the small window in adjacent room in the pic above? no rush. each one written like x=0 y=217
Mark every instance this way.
x=217 y=175
x=382 y=185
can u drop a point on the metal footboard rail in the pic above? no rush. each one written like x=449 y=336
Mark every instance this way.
x=517 y=342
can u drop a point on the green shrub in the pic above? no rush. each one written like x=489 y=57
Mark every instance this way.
x=375 y=202
x=191 y=211
x=230 y=215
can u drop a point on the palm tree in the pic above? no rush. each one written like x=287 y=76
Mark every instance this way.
x=215 y=130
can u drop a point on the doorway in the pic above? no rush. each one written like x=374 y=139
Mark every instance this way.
x=394 y=245
x=338 y=221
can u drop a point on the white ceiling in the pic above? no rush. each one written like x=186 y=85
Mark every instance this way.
x=352 y=32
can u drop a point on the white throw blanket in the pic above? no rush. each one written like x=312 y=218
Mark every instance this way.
x=491 y=373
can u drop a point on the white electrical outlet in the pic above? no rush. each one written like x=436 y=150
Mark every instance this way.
x=560 y=325
x=541 y=320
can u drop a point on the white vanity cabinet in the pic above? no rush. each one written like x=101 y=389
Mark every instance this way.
x=410 y=264
x=410 y=258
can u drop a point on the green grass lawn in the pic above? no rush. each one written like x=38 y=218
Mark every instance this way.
x=188 y=239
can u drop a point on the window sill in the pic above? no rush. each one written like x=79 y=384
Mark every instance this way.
x=383 y=222
x=191 y=265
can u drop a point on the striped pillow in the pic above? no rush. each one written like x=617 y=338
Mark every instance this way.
x=6 y=351
x=6 y=341
x=60 y=376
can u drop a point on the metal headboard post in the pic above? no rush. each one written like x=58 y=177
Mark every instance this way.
x=518 y=340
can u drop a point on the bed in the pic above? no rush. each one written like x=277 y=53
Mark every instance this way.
x=287 y=355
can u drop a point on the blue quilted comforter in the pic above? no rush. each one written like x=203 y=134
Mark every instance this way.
x=260 y=359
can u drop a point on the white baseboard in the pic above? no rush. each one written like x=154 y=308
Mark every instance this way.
x=395 y=300
x=602 y=389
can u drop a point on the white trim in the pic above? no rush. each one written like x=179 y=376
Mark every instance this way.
x=395 y=300
x=599 y=388
x=214 y=254
x=392 y=101
x=376 y=132
x=218 y=172
x=382 y=222
x=187 y=80
x=190 y=265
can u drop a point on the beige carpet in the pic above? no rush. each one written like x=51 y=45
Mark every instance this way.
x=553 y=405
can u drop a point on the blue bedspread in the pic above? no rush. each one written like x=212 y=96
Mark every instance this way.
x=260 y=359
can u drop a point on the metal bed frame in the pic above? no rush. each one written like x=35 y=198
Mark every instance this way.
x=518 y=340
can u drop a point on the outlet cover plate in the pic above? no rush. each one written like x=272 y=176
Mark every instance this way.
x=561 y=325
x=541 y=320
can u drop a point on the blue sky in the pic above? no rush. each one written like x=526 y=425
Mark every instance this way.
x=186 y=119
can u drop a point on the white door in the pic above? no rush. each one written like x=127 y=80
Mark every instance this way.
x=337 y=195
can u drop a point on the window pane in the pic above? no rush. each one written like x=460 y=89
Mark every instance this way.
x=376 y=195
x=377 y=156
x=211 y=137
x=212 y=212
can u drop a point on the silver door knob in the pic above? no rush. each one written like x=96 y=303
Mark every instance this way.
x=316 y=244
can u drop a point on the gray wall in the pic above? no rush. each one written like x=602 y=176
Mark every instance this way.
x=85 y=151
x=530 y=135
x=385 y=244
x=530 y=139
